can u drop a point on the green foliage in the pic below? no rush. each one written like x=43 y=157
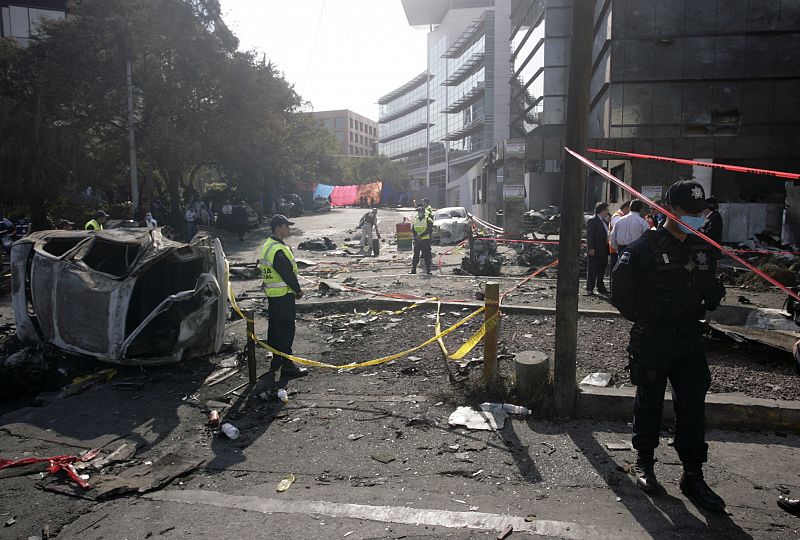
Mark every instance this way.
x=371 y=169
x=203 y=110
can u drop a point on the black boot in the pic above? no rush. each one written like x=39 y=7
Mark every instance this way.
x=645 y=475
x=695 y=488
x=413 y=270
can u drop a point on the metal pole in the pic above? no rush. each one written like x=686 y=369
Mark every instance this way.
x=572 y=201
x=132 y=142
x=251 y=345
x=492 y=303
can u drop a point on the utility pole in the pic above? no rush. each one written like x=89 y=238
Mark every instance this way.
x=132 y=142
x=572 y=201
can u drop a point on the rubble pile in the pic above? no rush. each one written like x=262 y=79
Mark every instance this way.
x=777 y=271
x=537 y=255
x=319 y=243
x=483 y=259
x=546 y=221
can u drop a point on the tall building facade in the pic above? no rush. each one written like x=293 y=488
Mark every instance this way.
x=357 y=135
x=442 y=122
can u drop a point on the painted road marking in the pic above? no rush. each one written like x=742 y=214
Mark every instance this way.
x=387 y=514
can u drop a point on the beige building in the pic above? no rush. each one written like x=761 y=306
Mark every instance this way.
x=357 y=135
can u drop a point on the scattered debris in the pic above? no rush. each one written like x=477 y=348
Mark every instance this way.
x=285 y=484
x=355 y=436
x=597 y=379
x=330 y=289
x=230 y=431
x=505 y=533
x=475 y=446
x=319 y=243
x=619 y=447
x=491 y=420
x=10 y=521
x=507 y=407
x=383 y=457
x=142 y=478
x=483 y=259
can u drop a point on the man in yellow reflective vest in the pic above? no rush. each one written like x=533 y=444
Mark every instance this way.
x=96 y=223
x=421 y=228
x=428 y=208
x=279 y=271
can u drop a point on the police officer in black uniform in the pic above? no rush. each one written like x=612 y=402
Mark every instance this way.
x=663 y=284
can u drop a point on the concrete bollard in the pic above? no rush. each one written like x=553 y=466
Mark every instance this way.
x=532 y=369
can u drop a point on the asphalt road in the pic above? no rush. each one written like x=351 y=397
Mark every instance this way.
x=371 y=450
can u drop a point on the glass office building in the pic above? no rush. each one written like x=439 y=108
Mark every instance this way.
x=443 y=121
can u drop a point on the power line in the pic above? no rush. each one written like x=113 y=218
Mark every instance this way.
x=313 y=48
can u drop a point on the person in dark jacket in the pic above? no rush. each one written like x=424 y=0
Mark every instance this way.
x=713 y=229
x=662 y=283
x=597 y=244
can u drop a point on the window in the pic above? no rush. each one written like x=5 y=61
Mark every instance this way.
x=328 y=123
x=351 y=137
x=351 y=123
x=23 y=22
x=339 y=124
x=351 y=150
x=340 y=136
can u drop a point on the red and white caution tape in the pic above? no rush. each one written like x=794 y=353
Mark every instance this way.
x=734 y=168
x=611 y=178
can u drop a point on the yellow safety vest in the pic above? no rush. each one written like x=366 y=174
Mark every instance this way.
x=420 y=226
x=93 y=225
x=274 y=285
x=428 y=212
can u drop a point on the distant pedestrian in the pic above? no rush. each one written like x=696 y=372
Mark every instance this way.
x=712 y=228
x=622 y=211
x=96 y=224
x=421 y=228
x=66 y=225
x=597 y=244
x=149 y=221
x=629 y=228
x=368 y=225
x=191 y=222
x=138 y=214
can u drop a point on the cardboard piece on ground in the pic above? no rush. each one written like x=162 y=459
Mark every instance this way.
x=478 y=420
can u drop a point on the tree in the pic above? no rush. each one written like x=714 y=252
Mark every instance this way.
x=200 y=106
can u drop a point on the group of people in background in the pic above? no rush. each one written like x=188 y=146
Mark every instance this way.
x=608 y=235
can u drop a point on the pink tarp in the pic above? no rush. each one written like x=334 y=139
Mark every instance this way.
x=344 y=195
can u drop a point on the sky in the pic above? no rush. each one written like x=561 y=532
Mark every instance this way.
x=338 y=54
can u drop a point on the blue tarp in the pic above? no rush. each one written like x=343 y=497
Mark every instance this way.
x=323 y=190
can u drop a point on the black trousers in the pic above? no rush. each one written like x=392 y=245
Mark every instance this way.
x=280 y=332
x=423 y=247
x=595 y=270
x=681 y=360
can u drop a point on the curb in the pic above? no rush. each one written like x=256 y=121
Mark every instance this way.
x=386 y=303
x=732 y=412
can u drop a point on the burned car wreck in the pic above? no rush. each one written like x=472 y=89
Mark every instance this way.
x=126 y=296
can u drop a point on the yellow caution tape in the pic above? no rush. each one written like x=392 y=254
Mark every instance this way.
x=377 y=361
x=471 y=342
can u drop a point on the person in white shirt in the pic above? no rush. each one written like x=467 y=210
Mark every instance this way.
x=629 y=228
x=151 y=223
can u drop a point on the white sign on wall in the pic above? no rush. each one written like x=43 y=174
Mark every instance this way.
x=652 y=192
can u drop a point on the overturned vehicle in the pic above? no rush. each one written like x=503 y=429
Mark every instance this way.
x=126 y=296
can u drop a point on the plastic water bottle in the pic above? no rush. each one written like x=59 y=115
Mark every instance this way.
x=283 y=396
x=515 y=409
x=230 y=431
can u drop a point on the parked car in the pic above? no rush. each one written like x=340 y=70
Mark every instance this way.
x=290 y=205
x=126 y=296
x=322 y=204
x=451 y=225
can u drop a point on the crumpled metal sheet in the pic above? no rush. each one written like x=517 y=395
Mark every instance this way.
x=763 y=325
x=126 y=296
